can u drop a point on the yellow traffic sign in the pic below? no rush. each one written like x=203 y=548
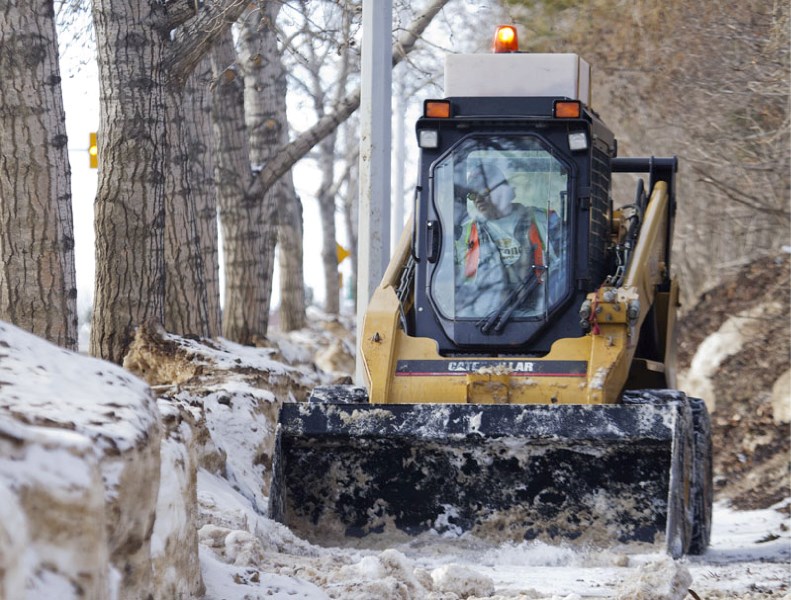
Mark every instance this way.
x=341 y=252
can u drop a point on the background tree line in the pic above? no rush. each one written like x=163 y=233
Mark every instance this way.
x=194 y=125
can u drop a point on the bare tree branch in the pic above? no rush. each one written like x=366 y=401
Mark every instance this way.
x=172 y=13
x=738 y=196
x=298 y=148
x=198 y=35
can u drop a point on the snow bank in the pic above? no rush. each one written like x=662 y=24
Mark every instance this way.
x=81 y=446
x=174 y=539
x=53 y=539
x=234 y=393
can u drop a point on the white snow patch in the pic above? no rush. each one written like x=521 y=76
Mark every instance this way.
x=664 y=579
x=90 y=396
x=726 y=341
x=171 y=511
x=240 y=424
x=462 y=581
x=230 y=582
x=14 y=540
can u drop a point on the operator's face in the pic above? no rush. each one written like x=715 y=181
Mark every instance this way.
x=496 y=203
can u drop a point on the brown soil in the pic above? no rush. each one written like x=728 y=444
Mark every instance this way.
x=751 y=451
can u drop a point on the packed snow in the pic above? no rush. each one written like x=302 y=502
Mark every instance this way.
x=217 y=424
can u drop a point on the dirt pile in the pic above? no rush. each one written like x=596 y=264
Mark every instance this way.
x=750 y=436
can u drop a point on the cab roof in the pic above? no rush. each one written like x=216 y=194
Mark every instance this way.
x=518 y=75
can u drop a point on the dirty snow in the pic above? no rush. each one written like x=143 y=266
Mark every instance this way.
x=739 y=564
x=750 y=558
x=245 y=555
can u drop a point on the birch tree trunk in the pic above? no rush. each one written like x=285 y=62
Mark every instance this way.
x=267 y=122
x=243 y=218
x=38 y=289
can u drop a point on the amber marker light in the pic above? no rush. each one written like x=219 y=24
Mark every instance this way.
x=567 y=109
x=505 y=39
x=436 y=109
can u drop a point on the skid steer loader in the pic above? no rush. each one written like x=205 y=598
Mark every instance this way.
x=519 y=350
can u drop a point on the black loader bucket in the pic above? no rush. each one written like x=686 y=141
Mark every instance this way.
x=599 y=475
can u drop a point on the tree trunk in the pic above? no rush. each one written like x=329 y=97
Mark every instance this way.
x=290 y=258
x=186 y=306
x=200 y=162
x=267 y=122
x=129 y=209
x=144 y=48
x=315 y=61
x=38 y=289
x=242 y=217
x=326 y=199
x=350 y=205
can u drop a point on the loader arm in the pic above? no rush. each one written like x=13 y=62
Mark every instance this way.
x=616 y=315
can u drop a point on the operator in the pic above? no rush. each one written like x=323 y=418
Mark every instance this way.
x=500 y=245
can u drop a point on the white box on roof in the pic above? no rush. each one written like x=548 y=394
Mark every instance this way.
x=526 y=75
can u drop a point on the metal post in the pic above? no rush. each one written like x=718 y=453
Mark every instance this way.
x=373 y=238
x=399 y=167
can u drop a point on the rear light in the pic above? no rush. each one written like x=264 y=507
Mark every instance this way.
x=505 y=39
x=436 y=109
x=567 y=109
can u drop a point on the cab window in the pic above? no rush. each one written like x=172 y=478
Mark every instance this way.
x=502 y=205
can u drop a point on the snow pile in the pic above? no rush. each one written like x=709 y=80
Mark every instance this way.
x=234 y=394
x=81 y=450
x=53 y=536
x=461 y=581
x=174 y=541
x=665 y=579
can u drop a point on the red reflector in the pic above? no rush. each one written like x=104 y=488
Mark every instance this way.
x=437 y=109
x=505 y=39
x=568 y=109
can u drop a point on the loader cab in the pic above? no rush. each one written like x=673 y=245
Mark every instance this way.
x=512 y=223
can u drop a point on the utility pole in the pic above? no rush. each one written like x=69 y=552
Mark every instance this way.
x=399 y=145
x=373 y=242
